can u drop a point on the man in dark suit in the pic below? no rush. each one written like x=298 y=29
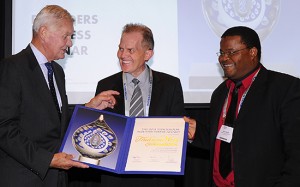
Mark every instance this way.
x=32 y=121
x=263 y=138
x=162 y=96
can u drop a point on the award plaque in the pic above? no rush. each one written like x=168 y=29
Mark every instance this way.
x=127 y=145
x=94 y=140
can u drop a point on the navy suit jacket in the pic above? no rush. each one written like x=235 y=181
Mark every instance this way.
x=266 y=137
x=30 y=129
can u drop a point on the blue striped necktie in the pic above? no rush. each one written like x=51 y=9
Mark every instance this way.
x=51 y=86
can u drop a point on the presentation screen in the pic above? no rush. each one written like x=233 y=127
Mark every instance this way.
x=186 y=33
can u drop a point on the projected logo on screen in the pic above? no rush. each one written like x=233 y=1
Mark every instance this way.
x=260 y=15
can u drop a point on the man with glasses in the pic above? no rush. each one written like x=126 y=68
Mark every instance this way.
x=254 y=125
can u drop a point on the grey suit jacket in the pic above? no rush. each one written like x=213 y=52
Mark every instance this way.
x=30 y=129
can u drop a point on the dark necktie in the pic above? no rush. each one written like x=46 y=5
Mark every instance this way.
x=136 y=103
x=51 y=86
x=225 y=158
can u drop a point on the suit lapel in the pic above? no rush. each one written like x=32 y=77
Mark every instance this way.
x=155 y=95
x=59 y=78
x=217 y=107
x=41 y=87
x=255 y=90
x=117 y=85
x=120 y=107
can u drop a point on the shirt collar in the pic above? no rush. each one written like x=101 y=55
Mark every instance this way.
x=246 y=81
x=143 y=77
x=38 y=55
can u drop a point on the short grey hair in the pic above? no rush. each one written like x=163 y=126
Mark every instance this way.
x=148 y=40
x=48 y=15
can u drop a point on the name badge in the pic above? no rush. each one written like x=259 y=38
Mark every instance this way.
x=225 y=133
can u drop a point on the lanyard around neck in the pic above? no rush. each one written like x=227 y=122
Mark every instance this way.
x=148 y=97
x=242 y=99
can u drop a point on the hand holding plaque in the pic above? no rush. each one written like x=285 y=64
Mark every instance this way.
x=127 y=145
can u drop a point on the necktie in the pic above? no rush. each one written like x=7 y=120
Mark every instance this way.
x=51 y=86
x=225 y=158
x=136 y=103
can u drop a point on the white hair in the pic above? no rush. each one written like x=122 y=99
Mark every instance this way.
x=49 y=15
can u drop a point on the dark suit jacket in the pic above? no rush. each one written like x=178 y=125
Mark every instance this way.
x=30 y=129
x=266 y=137
x=166 y=97
x=166 y=100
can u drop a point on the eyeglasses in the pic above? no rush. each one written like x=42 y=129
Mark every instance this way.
x=229 y=53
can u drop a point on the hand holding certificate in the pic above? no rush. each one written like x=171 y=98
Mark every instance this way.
x=127 y=145
x=156 y=145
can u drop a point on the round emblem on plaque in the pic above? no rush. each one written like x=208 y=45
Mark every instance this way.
x=94 y=141
x=260 y=15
